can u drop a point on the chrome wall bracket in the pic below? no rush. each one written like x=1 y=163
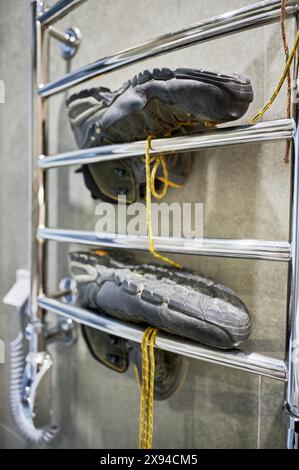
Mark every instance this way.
x=64 y=332
x=70 y=40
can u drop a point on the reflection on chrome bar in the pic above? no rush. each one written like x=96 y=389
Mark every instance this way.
x=58 y=11
x=237 y=359
x=235 y=21
x=262 y=132
x=245 y=249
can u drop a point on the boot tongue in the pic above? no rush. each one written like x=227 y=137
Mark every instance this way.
x=109 y=96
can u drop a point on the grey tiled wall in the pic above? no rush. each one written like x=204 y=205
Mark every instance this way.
x=245 y=191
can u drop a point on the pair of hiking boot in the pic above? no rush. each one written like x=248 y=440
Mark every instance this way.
x=158 y=103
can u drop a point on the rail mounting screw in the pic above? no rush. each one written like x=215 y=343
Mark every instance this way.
x=69 y=51
x=68 y=327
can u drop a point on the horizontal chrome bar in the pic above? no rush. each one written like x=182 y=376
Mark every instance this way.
x=255 y=15
x=261 y=132
x=237 y=359
x=245 y=249
x=58 y=11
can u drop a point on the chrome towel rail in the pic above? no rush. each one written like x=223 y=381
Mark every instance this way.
x=237 y=359
x=261 y=132
x=253 y=16
x=256 y=15
x=245 y=249
x=58 y=11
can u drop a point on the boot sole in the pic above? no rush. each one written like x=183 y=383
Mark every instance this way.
x=202 y=311
x=156 y=102
x=239 y=83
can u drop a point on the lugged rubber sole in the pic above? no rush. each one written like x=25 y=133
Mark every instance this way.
x=235 y=83
x=179 y=302
x=99 y=116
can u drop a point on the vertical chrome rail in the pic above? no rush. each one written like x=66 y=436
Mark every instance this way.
x=292 y=398
x=39 y=143
x=291 y=408
x=32 y=398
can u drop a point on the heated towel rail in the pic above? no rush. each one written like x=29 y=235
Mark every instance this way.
x=254 y=16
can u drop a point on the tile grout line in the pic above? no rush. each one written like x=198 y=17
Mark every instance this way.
x=7 y=18
x=10 y=431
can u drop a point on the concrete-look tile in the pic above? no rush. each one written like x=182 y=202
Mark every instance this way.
x=210 y=411
x=272 y=432
x=245 y=192
x=103 y=407
x=10 y=439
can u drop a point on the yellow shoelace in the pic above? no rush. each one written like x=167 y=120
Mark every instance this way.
x=151 y=188
x=147 y=388
x=287 y=54
x=283 y=77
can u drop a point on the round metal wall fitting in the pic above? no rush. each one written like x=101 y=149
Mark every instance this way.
x=70 y=284
x=69 y=50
